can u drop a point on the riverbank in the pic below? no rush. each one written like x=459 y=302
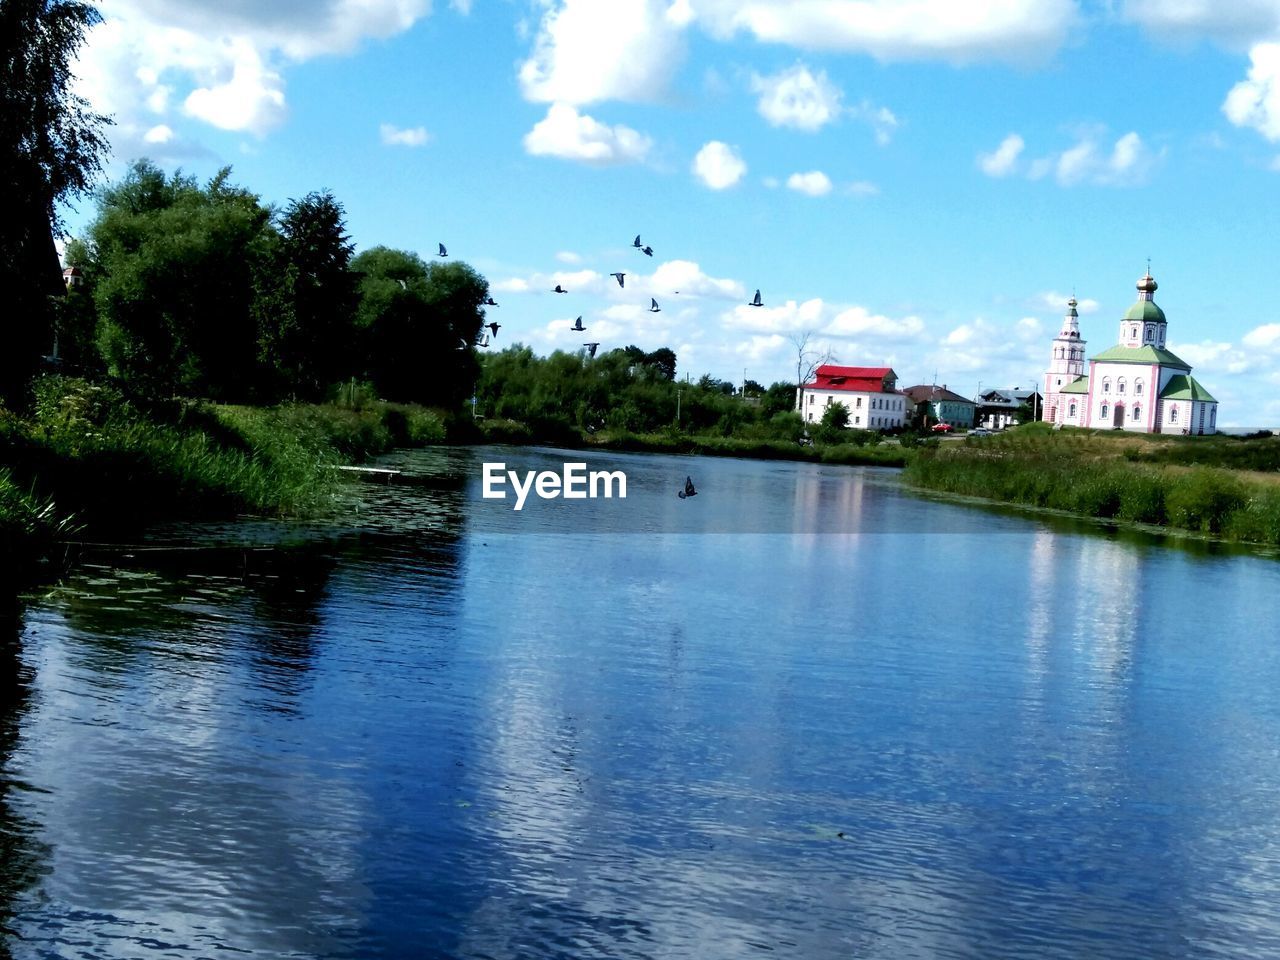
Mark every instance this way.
x=873 y=450
x=1225 y=487
x=86 y=461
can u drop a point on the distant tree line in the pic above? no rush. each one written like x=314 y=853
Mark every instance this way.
x=202 y=290
x=625 y=389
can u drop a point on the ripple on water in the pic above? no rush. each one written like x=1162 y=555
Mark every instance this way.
x=421 y=733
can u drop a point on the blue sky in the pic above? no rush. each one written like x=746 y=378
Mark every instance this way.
x=918 y=183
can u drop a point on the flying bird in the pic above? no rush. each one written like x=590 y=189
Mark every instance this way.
x=443 y=252
x=494 y=327
x=653 y=306
x=636 y=242
x=647 y=251
x=559 y=289
x=618 y=277
x=577 y=325
x=591 y=348
x=757 y=302
x=489 y=302
x=484 y=342
x=688 y=490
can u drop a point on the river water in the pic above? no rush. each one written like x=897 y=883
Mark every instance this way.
x=805 y=713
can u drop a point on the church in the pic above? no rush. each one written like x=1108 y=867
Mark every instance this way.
x=1137 y=385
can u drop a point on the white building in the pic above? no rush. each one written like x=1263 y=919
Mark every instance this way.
x=1137 y=385
x=869 y=394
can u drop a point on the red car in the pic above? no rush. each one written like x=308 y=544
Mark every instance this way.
x=942 y=428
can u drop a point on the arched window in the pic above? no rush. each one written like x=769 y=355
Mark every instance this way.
x=1137 y=412
x=1106 y=388
x=1173 y=414
x=1120 y=385
x=1072 y=411
x=1104 y=411
x=1149 y=334
x=1137 y=387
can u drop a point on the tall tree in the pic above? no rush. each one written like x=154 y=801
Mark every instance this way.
x=179 y=273
x=51 y=148
x=419 y=324
x=306 y=317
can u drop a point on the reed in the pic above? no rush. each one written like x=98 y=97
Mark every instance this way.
x=1096 y=477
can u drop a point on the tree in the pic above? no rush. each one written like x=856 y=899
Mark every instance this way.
x=51 y=149
x=779 y=398
x=835 y=422
x=662 y=362
x=75 y=319
x=808 y=360
x=306 y=309
x=181 y=266
x=419 y=325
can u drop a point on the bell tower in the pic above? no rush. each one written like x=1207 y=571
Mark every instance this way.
x=1066 y=362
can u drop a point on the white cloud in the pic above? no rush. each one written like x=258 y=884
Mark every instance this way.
x=394 y=136
x=250 y=99
x=797 y=98
x=1056 y=301
x=587 y=51
x=1128 y=163
x=1255 y=101
x=1215 y=357
x=788 y=317
x=160 y=133
x=861 y=322
x=1265 y=337
x=815 y=183
x=1012 y=30
x=569 y=257
x=862 y=188
x=844 y=323
x=719 y=165
x=1030 y=328
x=882 y=120
x=1237 y=22
x=222 y=63
x=565 y=133
x=1002 y=161
x=686 y=278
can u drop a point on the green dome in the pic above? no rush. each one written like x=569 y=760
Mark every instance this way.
x=1145 y=310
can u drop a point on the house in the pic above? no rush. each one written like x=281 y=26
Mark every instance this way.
x=1138 y=385
x=997 y=409
x=936 y=404
x=870 y=395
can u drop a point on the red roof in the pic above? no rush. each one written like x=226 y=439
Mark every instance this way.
x=854 y=379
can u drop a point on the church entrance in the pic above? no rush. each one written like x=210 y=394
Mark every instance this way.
x=1118 y=417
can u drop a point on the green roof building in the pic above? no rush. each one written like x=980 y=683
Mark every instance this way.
x=1139 y=384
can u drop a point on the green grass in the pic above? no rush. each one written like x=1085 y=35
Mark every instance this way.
x=1098 y=476
x=88 y=455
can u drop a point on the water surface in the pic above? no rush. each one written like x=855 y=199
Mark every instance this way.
x=437 y=728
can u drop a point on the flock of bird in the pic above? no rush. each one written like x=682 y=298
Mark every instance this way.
x=577 y=325
x=689 y=490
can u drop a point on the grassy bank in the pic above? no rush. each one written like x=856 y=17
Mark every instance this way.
x=86 y=457
x=868 y=451
x=1172 y=482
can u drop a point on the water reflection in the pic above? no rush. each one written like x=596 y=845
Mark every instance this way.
x=23 y=856
x=938 y=732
